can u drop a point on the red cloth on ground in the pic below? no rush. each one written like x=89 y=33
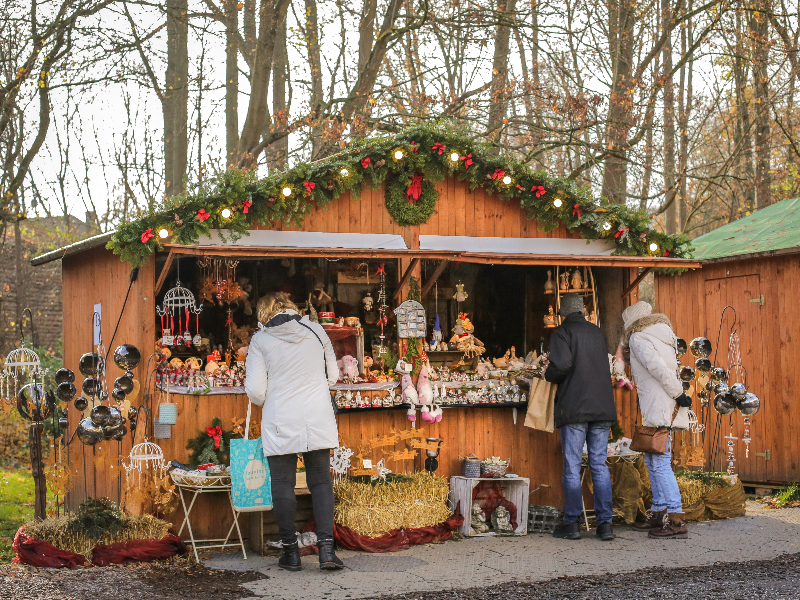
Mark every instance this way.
x=489 y=495
x=137 y=551
x=35 y=552
x=396 y=539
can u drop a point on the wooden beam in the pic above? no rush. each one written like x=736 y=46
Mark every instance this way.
x=404 y=278
x=637 y=281
x=439 y=270
x=165 y=271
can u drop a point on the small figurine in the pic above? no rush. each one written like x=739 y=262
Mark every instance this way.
x=348 y=399
x=409 y=394
x=339 y=399
x=464 y=339
x=424 y=390
x=577 y=280
x=348 y=367
x=477 y=521
x=367 y=301
x=514 y=362
x=564 y=283
x=340 y=322
x=550 y=317
x=549 y=286
x=460 y=295
x=388 y=401
x=437 y=331
x=502 y=362
x=501 y=520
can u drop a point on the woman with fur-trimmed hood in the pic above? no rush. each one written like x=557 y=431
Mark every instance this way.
x=650 y=345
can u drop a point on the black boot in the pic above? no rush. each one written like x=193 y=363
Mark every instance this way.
x=291 y=558
x=605 y=531
x=568 y=531
x=328 y=561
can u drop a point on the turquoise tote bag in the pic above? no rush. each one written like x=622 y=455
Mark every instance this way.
x=251 y=483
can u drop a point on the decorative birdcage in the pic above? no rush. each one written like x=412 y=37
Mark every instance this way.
x=177 y=307
x=145 y=461
x=22 y=366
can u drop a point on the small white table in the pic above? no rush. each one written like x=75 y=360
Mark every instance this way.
x=629 y=457
x=195 y=491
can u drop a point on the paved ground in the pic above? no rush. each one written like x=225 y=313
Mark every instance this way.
x=480 y=562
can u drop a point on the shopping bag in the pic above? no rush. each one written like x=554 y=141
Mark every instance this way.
x=541 y=404
x=251 y=487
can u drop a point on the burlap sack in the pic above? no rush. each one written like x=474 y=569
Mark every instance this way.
x=541 y=404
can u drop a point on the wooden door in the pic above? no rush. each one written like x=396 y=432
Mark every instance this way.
x=737 y=292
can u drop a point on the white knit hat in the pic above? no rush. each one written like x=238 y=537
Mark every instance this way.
x=634 y=312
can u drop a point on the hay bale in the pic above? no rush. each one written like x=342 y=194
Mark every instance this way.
x=709 y=497
x=56 y=531
x=373 y=509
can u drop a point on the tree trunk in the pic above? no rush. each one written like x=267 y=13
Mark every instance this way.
x=366 y=32
x=685 y=101
x=231 y=81
x=19 y=276
x=176 y=96
x=315 y=66
x=669 y=124
x=758 y=25
x=279 y=151
x=615 y=172
x=743 y=138
x=499 y=92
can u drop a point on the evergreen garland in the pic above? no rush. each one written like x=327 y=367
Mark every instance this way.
x=202 y=451
x=427 y=149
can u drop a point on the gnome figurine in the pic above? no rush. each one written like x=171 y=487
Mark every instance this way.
x=424 y=389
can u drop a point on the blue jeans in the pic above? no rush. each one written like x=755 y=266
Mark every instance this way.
x=573 y=436
x=665 y=487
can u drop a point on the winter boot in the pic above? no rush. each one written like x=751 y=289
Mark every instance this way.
x=568 y=531
x=674 y=528
x=605 y=531
x=291 y=558
x=328 y=561
x=653 y=520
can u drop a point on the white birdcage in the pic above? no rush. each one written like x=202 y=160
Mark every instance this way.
x=22 y=365
x=178 y=299
x=145 y=458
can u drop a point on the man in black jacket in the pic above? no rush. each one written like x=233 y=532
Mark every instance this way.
x=584 y=409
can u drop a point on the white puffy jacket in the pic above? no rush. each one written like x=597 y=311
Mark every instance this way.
x=286 y=375
x=654 y=366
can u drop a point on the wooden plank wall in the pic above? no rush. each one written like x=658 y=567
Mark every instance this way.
x=770 y=361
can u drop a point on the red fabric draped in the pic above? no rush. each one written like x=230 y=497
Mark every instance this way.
x=489 y=495
x=396 y=539
x=35 y=552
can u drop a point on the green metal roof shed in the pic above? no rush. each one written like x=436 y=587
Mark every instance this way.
x=770 y=231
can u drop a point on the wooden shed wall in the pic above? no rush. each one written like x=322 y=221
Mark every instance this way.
x=770 y=344
x=99 y=276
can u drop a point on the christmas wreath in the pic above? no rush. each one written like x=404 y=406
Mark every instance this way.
x=410 y=198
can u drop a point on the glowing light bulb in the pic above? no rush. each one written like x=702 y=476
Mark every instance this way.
x=344 y=172
x=607 y=226
x=287 y=191
x=653 y=247
x=507 y=180
x=557 y=203
x=163 y=234
x=226 y=213
x=398 y=154
x=454 y=156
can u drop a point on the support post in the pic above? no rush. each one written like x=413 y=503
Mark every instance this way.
x=37 y=470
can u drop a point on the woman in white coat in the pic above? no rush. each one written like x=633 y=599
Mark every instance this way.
x=650 y=345
x=290 y=366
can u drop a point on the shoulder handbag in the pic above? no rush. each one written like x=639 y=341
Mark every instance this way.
x=652 y=440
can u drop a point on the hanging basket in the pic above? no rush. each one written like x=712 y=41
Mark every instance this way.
x=162 y=431
x=168 y=414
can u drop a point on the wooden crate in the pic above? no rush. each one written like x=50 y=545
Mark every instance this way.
x=515 y=490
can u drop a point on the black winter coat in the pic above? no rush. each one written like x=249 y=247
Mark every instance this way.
x=579 y=365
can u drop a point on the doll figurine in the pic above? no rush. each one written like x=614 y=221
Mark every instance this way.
x=550 y=317
x=424 y=389
x=460 y=295
x=549 y=286
x=501 y=520
x=577 y=280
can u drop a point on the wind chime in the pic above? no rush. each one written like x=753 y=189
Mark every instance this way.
x=383 y=320
x=218 y=282
x=179 y=304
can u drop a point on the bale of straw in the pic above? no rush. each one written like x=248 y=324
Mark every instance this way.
x=373 y=509
x=56 y=531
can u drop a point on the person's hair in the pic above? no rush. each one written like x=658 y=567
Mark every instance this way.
x=271 y=304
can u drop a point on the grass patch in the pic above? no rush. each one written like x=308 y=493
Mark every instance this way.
x=16 y=508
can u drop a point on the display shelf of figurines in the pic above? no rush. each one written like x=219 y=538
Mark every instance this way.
x=571 y=280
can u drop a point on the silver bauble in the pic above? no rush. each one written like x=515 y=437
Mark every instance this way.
x=750 y=405
x=738 y=391
x=703 y=365
x=724 y=404
x=680 y=347
x=687 y=374
x=721 y=388
x=700 y=347
x=101 y=415
x=719 y=375
x=88 y=433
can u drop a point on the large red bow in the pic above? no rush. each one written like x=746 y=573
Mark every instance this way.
x=246 y=204
x=147 y=235
x=467 y=160
x=309 y=185
x=216 y=433
x=439 y=146
x=498 y=173
x=539 y=189
x=576 y=212
x=414 y=189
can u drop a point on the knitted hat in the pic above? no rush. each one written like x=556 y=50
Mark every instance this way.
x=634 y=312
x=571 y=303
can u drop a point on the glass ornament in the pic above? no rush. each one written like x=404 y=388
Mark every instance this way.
x=80 y=404
x=88 y=432
x=124 y=383
x=724 y=404
x=65 y=376
x=703 y=365
x=66 y=391
x=101 y=415
x=719 y=375
x=721 y=388
x=749 y=405
x=89 y=364
x=700 y=347
x=687 y=374
x=127 y=357
x=738 y=391
x=118 y=395
x=91 y=386
x=34 y=403
x=680 y=347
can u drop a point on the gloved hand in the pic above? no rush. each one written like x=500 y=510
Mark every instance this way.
x=683 y=401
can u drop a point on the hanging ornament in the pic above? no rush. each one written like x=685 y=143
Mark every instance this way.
x=177 y=302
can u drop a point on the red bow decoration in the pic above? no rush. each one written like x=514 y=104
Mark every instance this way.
x=539 y=189
x=519 y=187
x=621 y=233
x=414 y=189
x=576 y=211
x=365 y=162
x=246 y=204
x=498 y=173
x=467 y=160
x=666 y=253
x=439 y=146
x=309 y=185
x=202 y=215
x=414 y=146
x=216 y=433
x=147 y=235
x=380 y=271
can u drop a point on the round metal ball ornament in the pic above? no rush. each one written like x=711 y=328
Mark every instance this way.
x=127 y=357
x=703 y=395
x=700 y=347
x=703 y=365
x=88 y=433
x=124 y=383
x=115 y=432
x=63 y=421
x=686 y=385
x=34 y=403
x=118 y=395
x=115 y=416
x=100 y=415
x=719 y=375
x=724 y=404
x=750 y=405
x=680 y=347
x=65 y=376
x=710 y=386
x=721 y=388
x=738 y=391
x=66 y=391
x=132 y=413
x=687 y=374
x=133 y=425
x=89 y=364
x=91 y=386
x=80 y=404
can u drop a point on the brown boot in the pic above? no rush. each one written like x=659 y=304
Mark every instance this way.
x=653 y=520
x=674 y=528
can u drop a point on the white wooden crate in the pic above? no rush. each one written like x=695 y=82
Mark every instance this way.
x=515 y=490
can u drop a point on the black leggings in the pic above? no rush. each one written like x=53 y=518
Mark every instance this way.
x=283 y=470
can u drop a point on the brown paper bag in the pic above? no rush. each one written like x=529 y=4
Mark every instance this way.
x=541 y=404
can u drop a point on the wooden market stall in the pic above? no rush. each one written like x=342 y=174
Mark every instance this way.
x=480 y=235
x=752 y=265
